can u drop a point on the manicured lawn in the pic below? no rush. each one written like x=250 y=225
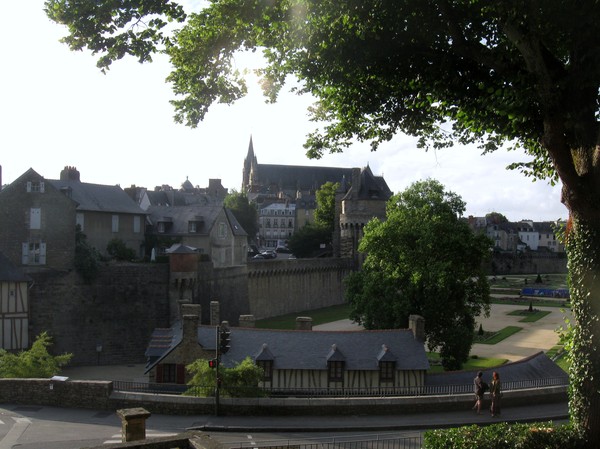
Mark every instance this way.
x=558 y=354
x=474 y=363
x=528 y=280
x=319 y=316
x=491 y=338
x=525 y=301
x=529 y=317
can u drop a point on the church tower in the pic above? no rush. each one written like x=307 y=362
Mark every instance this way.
x=249 y=172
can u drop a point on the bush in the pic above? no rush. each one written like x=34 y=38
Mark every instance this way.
x=504 y=436
x=117 y=249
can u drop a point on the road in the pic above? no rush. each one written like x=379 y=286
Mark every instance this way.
x=34 y=427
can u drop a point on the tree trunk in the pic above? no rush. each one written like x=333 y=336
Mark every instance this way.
x=583 y=247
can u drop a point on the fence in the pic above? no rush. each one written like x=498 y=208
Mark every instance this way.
x=425 y=390
x=378 y=441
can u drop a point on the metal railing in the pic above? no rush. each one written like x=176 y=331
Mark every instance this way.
x=378 y=441
x=425 y=390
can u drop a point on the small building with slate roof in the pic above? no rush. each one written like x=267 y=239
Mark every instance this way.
x=104 y=212
x=211 y=229
x=14 y=306
x=294 y=359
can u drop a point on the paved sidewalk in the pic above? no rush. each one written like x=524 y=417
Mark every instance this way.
x=557 y=412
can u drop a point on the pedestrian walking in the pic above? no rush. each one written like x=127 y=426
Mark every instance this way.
x=496 y=392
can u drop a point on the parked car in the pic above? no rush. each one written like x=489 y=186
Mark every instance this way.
x=258 y=256
x=269 y=254
x=283 y=250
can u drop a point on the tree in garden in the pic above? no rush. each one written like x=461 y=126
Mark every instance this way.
x=423 y=259
x=325 y=211
x=524 y=73
x=36 y=362
x=244 y=211
x=239 y=381
x=308 y=240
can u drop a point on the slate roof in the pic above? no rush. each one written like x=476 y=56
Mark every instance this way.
x=180 y=216
x=300 y=177
x=11 y=273
x=97 y=197
x=308 y=350
x=537 y=366
x=371 y=187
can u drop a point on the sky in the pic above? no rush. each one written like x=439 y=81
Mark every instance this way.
x=57 y=109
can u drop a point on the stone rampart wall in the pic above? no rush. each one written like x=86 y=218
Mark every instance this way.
x=107 y=322
x=528 y=263
x=279 y=287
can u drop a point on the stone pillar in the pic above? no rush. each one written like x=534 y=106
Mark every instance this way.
x=303 y=323
x=247 y=321
x=133 y=423
x=214 y=313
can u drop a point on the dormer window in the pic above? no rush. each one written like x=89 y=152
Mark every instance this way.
x=192 y=227
x=267 y=367
x=335 y=365
x=386 y=371
x=35 y=186
x=335 y=371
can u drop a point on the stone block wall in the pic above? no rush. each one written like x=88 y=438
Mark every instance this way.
x=107 y=322
x=287 y=286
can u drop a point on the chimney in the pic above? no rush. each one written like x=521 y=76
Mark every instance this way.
x=416 y=324
x=187 y=308
x=355 y=180
x=69 y=174
x=190 y=329
x=303 y=323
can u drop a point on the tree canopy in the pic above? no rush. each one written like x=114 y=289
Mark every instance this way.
x=325 y=211
x=423 y=259
x=524 y=73
x=244 y=211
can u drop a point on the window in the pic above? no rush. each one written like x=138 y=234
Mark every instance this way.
x=290 y=224
x=275 y=223
x=115 y=223
x=137 y=224
x=35 y=186
x=161 y=227
x=35 y=218
x=33 y=253
x=222 y=230
x=267 y=367
x=169 y=373
x=79 y=220
x=268 y=223
x=386 y=371
x=335 y=371
x=192 y=227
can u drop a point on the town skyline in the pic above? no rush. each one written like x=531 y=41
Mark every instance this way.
x=60 y=110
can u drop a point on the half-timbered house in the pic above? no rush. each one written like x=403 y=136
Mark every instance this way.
x=298 y=359
x=14 y=306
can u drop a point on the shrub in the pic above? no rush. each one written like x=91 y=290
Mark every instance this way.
x=117 y=249
x=504 y=436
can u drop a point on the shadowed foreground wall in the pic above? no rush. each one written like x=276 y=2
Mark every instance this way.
x=106 y=322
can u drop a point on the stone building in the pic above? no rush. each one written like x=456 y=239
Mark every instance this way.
x=37 y=224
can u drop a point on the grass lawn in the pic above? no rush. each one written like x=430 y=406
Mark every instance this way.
x=525 y=301
x=491 y=338
x=558 y=354
x=319 y=316
x=529 y=317
x=528 y=280
x=474 y=363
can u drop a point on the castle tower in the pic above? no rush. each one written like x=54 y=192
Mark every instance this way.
x=366 y=199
